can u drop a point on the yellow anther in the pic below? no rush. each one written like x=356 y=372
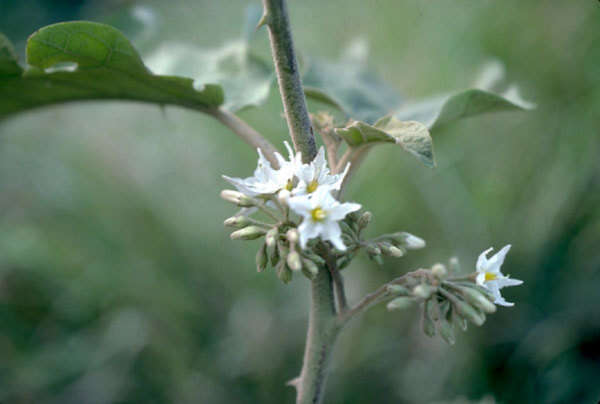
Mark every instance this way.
x=490 y=276
x=289 y=185
x=312 y=186
x=318 y=214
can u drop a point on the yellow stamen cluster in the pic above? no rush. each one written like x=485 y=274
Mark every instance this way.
x=312 y=186
x=289 y=185
x=490 y=276
x=318 y=214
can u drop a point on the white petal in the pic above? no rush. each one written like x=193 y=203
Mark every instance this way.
x=340 y=211
x=308 y=230
x=497 y=260
x=339 y=178
x=504 y=282
x=480 y=278
x=482 y=260
x=302 y=205
x=333 y=233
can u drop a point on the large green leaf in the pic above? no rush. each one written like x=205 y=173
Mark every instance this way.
x=246 y=78
x=441 y=110
x=90 y=61
x=412 y=136
x=350 y=86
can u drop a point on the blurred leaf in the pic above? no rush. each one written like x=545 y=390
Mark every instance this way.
x=410 y=135
x=8 y=60
x=245 y=78
x=88 y=61
x=441 y=110
x=350 y=86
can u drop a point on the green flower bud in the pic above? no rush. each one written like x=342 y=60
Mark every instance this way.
x=477 y=299
x=447 y=331
x=400 y=303
x=247 y=233
x=309 y=268
x=373 y=250
x=283 y=272
x=469 y=312
x=397 y=289
x=237 y=221
x=423 y=291
x=428 y=324
x=238 y=198
x=391 y=250
x=261 y=258
x=293 y=261
x=364 y=220
x=439 y=271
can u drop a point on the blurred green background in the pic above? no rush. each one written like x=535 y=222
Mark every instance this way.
x=118 y=283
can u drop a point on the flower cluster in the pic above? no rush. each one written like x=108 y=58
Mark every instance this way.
x=306 y=189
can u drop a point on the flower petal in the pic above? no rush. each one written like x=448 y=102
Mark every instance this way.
x=497 y=260
x=339 y=211
x=482 y=260
x=332 y=232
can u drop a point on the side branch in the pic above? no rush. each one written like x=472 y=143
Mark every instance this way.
x=288 y=78
x=380 y=294
x=246 y=132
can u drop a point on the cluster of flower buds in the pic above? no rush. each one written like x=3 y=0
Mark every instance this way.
x=299 y=210
x=450 y=302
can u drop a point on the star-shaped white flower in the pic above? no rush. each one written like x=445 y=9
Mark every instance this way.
x=490 y=277
x=316 y=174
x=321 y=213
x=267 y=180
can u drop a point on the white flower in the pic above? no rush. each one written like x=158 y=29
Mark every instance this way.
x=267 y=180
x=316 y=174
x=490 y=277
x=321 y=213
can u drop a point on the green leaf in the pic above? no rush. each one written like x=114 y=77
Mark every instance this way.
x=90 y=61
x=9 y=66
x=441 y=110
x=350 y=86
x=412 y=136
x=246 y=78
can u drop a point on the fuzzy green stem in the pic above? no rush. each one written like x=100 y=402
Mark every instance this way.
x=288 y=77
x=320 y=340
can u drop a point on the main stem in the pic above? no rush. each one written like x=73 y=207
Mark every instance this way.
x=288 y=77
x=322 y=324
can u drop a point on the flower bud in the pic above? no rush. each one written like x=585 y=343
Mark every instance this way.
x=461 y=322
x=423 y=291
x=397 y=289
x=428 y=324
x=271 y=237
x=283 y=272
x=477 y=299
x=238 y=198
x=261 y=258
x=447 y=331
x=283 y=196
x=414 y=242
x=292 y=236
x=439 y=271
x=310 y=267
x=247 y=233
x=293 y=261
x=364 y=220
x=469 y=312
x=372 y=249
x=238 y=221
x=400 y=303
x=454 y=265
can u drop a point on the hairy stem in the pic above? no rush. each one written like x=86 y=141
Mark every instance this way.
x=320 y=340
x=288 y=77
x=246 y=132
x=380 y=294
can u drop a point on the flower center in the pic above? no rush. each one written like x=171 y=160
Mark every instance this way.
x=490 y=276
x=312 y=186
x=289 y=184
x=318 y=214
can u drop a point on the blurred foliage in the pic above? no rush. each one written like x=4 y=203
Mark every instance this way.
x=118 y=283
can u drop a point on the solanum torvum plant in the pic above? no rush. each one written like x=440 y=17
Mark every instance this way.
x=293 y=205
